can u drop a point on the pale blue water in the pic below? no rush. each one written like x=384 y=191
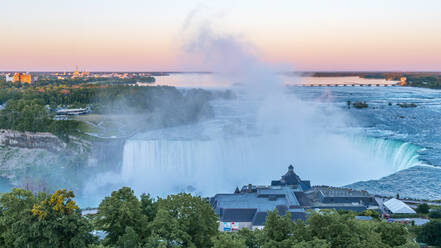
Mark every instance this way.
x=419 y=126
x=231 y=149
x=404 y=137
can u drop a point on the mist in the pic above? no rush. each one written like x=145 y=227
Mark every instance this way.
x=252 y=138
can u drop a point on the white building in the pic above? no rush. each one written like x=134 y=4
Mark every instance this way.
x=8 y=78
x=396 y=206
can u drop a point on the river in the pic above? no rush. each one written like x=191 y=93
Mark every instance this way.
x=385 y=148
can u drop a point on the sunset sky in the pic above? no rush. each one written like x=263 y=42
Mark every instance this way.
x=144 y=35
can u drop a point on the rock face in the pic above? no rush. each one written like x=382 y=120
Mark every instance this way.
x=35 y=159
x=30 y=140
x=17 y=162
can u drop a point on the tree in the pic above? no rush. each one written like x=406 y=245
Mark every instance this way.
x=130 y=239
x=301 y=232
x=194 y=215
x=342 y=230
x=392 y=234
x=315 y=243
x=118 y=212
x=423 y=208
x=435 y=214
x=148 y=206
x=166 y=228
x=16 y=218
x=228 y=240
x=253 y=239
x=60 y=223
x=430 y=233
x=371 y=213
x=43 y=220
x=278 y=228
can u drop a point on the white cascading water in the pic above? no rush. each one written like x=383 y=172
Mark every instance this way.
x=161 y=166
x=254 y=138
x=250 y=141
x=399 y=155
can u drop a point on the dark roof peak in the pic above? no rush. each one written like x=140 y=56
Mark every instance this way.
x=237 y=191
x=290 y=178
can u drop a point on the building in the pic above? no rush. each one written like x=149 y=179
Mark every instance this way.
x=402 y=81
x=76 y=73
x=22 y=78
x=395 y=206
x=77 y=111
x=248 y=206
x=8 y=78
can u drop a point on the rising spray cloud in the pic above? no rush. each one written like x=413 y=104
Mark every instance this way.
x=251 y=139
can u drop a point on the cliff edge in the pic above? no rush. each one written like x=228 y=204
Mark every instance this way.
x=30 y=140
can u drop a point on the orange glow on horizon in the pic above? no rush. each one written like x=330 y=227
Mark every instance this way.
x=141 y=35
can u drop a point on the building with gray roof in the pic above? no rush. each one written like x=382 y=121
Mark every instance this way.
x=248 y=207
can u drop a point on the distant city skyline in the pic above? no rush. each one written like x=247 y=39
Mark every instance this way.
x=137 y=35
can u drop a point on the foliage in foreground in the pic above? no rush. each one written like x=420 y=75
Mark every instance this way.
x=430 y=233
x=52 y=220
x=182 y=220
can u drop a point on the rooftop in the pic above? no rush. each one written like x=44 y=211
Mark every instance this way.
x=340 y=192
x=290 y=193
x=398 y=207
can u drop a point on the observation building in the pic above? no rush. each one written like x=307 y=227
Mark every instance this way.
x=248 y=207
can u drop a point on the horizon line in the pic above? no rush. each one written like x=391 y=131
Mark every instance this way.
x=210 y=72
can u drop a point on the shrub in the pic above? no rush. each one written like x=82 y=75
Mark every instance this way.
x=435 y=214
x=423 y=208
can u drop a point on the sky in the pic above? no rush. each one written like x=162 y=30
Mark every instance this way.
x=148 y=35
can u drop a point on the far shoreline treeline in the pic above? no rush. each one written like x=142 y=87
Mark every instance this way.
x=422 y=79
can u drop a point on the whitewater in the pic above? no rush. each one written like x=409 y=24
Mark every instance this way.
x=236 y=147
x=373 y=149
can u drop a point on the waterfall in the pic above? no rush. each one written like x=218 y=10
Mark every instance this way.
x=251 y=141
x=398 y=155
x=162 y=166
x=175 y=165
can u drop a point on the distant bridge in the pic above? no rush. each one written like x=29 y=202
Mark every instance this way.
x=348 y=84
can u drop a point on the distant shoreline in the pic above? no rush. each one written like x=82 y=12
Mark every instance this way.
x=315 y=73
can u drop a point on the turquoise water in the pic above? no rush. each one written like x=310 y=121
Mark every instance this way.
x=398 y=154
x=4 y=185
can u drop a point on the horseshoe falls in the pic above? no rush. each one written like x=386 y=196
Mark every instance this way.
x=384 y=149
x=209 y=166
